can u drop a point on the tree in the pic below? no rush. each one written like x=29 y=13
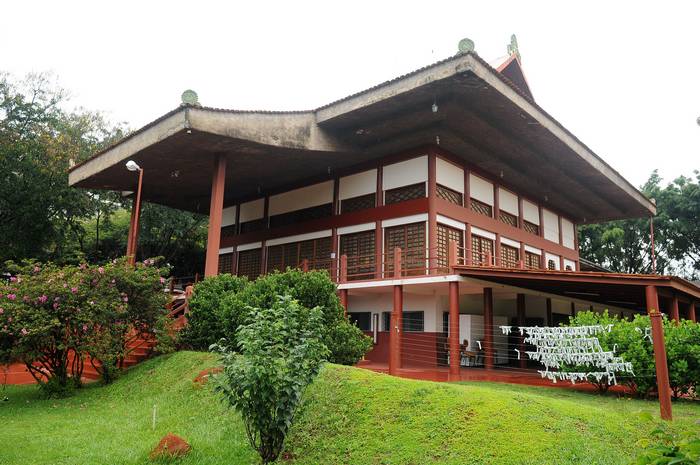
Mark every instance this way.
x=280 y=353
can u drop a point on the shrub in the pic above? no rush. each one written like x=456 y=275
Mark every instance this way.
x=205 y=320
x=667 y=448
x=281 y=351
x=683 y=353
x=346 y=343
x=51 y=316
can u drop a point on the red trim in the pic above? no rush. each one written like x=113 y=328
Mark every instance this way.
x=455 y=358
x=432 y=211
x=488 y=328
x=657 y=330
x=211 y=264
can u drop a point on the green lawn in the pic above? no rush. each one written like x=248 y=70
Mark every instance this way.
x=350 y=416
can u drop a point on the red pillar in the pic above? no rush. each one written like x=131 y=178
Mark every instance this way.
x=216 y=206
x=133 y=237
x=432 y=215
x=657 y=334
x=675 y=314
x=396 y=319
x=488 y=328
x=455 y=357
x=521 y=322
x=130 y=237
x=691 y=313
x=343 y=294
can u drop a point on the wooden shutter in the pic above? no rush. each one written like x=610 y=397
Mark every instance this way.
x=249 y=262
x=360 y=251
x=481 y=246
x=509 y=256
x=225 y=263
x=410 y=238
x=445 y=234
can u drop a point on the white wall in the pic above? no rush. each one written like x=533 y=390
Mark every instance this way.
x=253 y=210
x=548 y=257
x=358 y=184
x=383 y=302
x=405 y=173
x=480 y=189
x=567 y=233
x=449 y=175
x=551 y=225
x=304 y=197
x=229 y=216
x=507 y=201
x=531 y=212
x=570 y=263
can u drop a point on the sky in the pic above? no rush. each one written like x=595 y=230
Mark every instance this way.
x=624 y=77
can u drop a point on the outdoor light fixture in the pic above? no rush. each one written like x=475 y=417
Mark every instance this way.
x=434 y=108
x=132 y=166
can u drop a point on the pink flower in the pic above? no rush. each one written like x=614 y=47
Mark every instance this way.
x=36 y=269
x=162 y=280
x=2 y=311
x=24 y=331
x=65 y=285
x=125 y=298
x=11 y=296
x=92 y=302
x=83 y=266
x=13 y=279
x=55 y=305
x=101 y=270
x=74 y=290
x=42 y=299
x=84 y=327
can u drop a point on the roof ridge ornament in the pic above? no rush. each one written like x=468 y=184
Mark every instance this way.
x=189 y=97
x=513 y=47
x=465 y=45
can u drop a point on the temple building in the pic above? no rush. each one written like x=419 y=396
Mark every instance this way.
x=444 y=203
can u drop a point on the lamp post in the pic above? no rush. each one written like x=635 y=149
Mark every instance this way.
x=134 y=226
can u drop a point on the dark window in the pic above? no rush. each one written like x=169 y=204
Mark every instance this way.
x=253 y=225
x=291 y=255
x=509 y=256
x=363 y=320
x=568 y=268
x=360 y=251
x=249 y=262
x=482 y=249
x=401 y=194
x=225 y=263
x=551 y=265
x=362 y=202
x=532 y=228
x=412 y=322
x=532 y=260
x=448 y=194
x=508 y=218
x=228 y=231
x=298 y=216
x=445 y=234
x=410 y=238
x=386 y=321
x=482 y=208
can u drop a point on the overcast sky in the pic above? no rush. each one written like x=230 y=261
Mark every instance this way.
x=624 y=77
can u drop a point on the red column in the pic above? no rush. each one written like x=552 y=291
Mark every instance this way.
x=454 y=330
x=133 y=237
x=378 y=232
x=521 y=322
x=675 y=314
x=691 y=312
x=216 y=206
x=488 y=328
x=657 y=334
x=343 y=294
x=396 y=319
x=432 y=214
x=130 y=237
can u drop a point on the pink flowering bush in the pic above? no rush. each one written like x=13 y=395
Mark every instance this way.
x=55 y=318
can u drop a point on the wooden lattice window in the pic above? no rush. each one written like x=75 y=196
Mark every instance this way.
x=225 y=263
x=508 y=218
x=532 y=260
x=249 y=262
x=568 y=268
x=283 y=256
x=401 y=194
x=551 y=265
x=410 y=238
x=481 y=207
x=253 y=225
x=482 y=248
x=360 y=251
x=298 y=216
x=509 y=256
x=445 y=234
x=448 y=194
x=532 y=228
x=228 y=231
x=363 y=202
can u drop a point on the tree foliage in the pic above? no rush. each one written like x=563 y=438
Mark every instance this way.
x=280 y=353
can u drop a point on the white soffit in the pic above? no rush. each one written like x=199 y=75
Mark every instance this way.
x=405 y=220
x=480 y=189
x=510 y=242
x=531 y=249
x=449 y=175
x=225 y=250
x=299 y=237
x=251 y=246
x=483 y=233
x=531 y=212
x=450 y=222
x=356 y=228
x=305 y=197
x=507 y=201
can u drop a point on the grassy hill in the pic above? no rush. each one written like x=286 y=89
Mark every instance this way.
x=350 y=416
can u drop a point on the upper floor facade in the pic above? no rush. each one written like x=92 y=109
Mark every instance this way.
x=417 y=201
